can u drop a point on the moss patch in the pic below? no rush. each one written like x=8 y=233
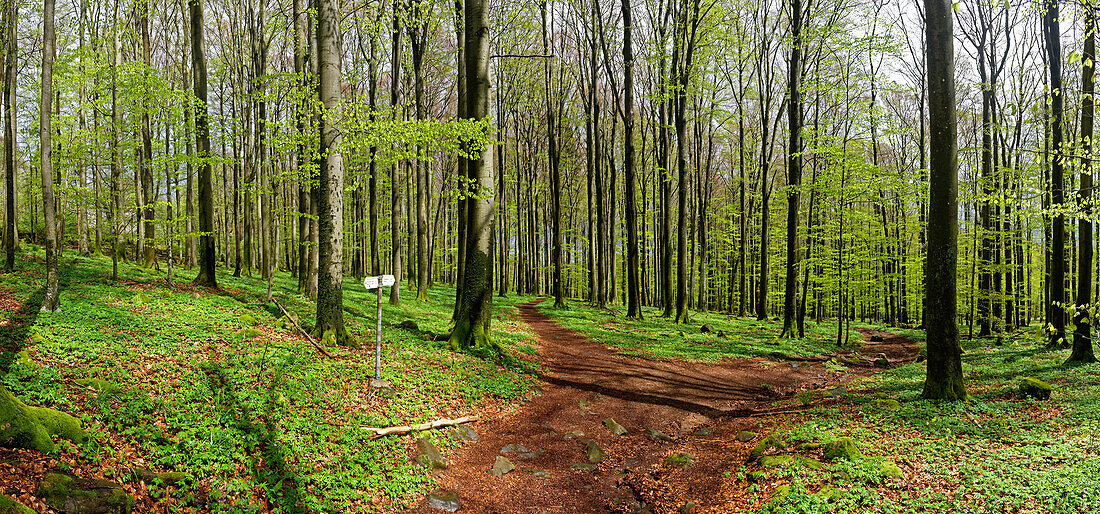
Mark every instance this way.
x=22 y=426
x=10 y=506
x=843 y=448
x=1035 y=388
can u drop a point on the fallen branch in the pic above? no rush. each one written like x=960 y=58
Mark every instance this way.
x=300 y=329
x=404 y=429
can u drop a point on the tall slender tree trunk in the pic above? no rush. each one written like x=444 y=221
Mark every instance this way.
x=1052 y=37
x=633 y=290
x=51 y=301
x=395 y=197
x=476 y=310
x=1082 y=333
x=11 y=227
x=330 y=180
x=207 y=251
x=944 y=380
x=794 y=168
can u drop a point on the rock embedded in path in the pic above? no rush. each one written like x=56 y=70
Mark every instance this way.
x=679 y=460
x=519 y=450
x=594 y=452
x=444 y=500
x=614 y=426
x=745 y=436
x=876 y=338
x=657 y=435
x=70 y=495
x=466 y=433
x=574 y=434
x=430 y=456
x=688 y=508
x=582 y=466
x=502 y=466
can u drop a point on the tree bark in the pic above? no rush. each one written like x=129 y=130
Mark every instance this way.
x=944 y=380
x=207 y=253
x=1082 y=333
x=50 y=300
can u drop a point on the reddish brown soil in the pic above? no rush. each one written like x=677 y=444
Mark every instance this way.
x=702 y=406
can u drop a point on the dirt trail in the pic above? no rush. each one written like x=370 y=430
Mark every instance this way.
x=700 y=406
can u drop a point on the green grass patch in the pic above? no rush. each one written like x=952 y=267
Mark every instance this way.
x=213 y=385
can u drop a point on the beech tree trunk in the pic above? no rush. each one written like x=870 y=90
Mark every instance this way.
x=207 y=251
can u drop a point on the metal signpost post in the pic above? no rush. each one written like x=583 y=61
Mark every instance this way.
x=378 y=283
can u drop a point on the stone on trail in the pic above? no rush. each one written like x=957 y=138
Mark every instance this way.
x=444 y=500
x=688 y=508
x=385 y=389
x=592 y=450
x=705 y=431
x=745 y=436
x=71 y=495
x=881 y=361
x=876 y=339
x=583 y=466
x=519 y=450
x=657 y=435
x=843 y=448
x=466 y=433
x=614 y=426
x=574 y=434
x=679 y=460
x=1035 y=388
x=502 y=466
x=539 y=473
x=705 y=329
x=430 y=456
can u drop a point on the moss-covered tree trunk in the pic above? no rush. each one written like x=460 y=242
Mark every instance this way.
x=944 y=375
x=475 y=306
x=330 y=207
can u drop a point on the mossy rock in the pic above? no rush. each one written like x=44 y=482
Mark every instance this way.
x=843 y=448
x=890 y=470
x=79 y=495
x=102 y=387
x=780 y=460
x=780 y=495
x=829 y=493
x=250 y=333
x=23 y=426
x=142 y=299
x=1035 y=388
x=9 y=506
x=773 y=440
x=23 y=358
x=249 y=320
x=887 y=404
x=37 y=337
x=679 y=460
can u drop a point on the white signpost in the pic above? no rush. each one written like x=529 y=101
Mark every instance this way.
x=378 y=283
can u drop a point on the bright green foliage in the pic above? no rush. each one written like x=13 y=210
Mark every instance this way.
x=842 y=448
x=10 y=506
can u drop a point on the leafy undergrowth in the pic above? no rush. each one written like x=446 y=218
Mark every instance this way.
x=655 y=336
x=213 y=384
x=999 y=452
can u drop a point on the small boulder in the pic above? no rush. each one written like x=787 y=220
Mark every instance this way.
x=688 y=508
x=466 y=433
x=444 y=500
x=704 y=431
x=768 y=461
x=769 y=442
x=657 y=435
x=614 y=426
x=583 y=466
x=705 y=329
x=384 y=389
x=890 y=470
x=539 y=473
x=1035 y=388
x=430 y=457
x=745 y=436
x=882 y=362
x=248 y=319
x=593 y=451
x=679 y=460
x=843 y=448
x=574 y=435
x=250 y=333
x=520 y=450
x=887 y=404
x=721 y=334
x=71 y=495
x=828 y=493
x=502 y=466
x=409 y=325
x=876 y=338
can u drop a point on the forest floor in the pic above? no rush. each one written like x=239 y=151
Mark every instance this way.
x=685 y=426
x=217 y=386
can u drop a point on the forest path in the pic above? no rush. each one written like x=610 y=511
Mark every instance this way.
x=701 y=406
